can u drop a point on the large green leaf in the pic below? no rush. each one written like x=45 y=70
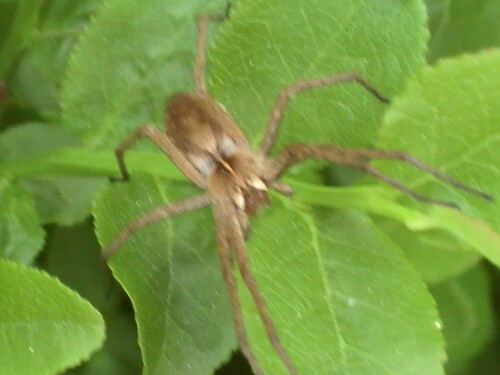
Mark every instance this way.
x=45 y=327
x=449 y=117
x=267 y=45
x=171 y=272
x=465 y=307
x=21 y=234
x=344 y=298
x=125 y=65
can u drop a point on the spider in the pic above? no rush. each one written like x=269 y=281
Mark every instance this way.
x=203 y=141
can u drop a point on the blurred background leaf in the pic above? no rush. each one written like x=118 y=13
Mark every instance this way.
x=464 y=304
x=21 y=234
x=63 y=200
x=459 y=26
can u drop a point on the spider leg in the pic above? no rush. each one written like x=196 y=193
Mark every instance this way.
x=236 y=241
x=354 y=158
x=201 y=41
x=281 y=101
x=153 y=216
x=281 y=188
x=224 y=251
x=409 y=159
x=165 y=144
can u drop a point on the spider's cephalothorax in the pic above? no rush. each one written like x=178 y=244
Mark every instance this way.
x=204 y=142
x=205 y=133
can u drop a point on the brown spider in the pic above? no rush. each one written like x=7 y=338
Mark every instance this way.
x=203 y=141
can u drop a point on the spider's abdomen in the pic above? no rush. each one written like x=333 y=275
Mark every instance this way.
x=202 y=130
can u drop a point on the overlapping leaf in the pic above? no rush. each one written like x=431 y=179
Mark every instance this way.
x=267 y=45
x=171 y=272
x=449 y=118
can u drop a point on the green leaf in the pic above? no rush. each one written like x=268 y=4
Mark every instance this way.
x=460 y=26
x=266 y=45
x=435 y=254
x=61 y=200
x=465 y=307
x=126 y=63
x=45 y=327
x=21 y=234
x=448 y=117
x=344 y=298
x=171 y=272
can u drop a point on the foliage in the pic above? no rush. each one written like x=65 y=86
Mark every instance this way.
x=358 y=278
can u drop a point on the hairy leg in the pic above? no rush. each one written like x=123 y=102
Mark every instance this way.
x=236 y=241
x=409 y=159
x=165 y=144
x=274 y=118
x=153 y=216
x=201 y=41
x=221 y=218
x=356 y=158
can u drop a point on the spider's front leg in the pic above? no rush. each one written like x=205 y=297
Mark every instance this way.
x=358 y=159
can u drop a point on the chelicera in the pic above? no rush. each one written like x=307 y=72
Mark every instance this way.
x=204 y=142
